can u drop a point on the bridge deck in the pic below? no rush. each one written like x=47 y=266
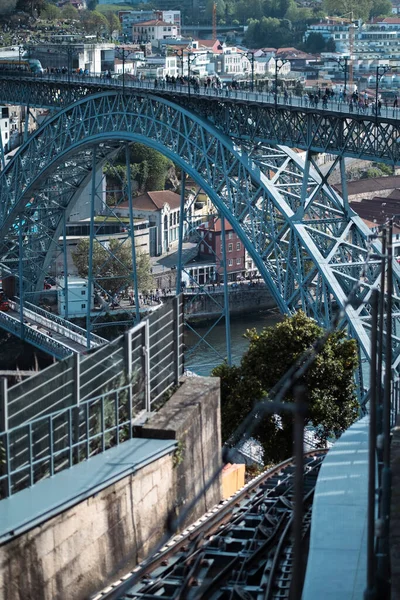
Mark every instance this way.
x=49 y=331
x=338 y=543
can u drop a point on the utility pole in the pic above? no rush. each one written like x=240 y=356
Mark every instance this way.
x=250 y=56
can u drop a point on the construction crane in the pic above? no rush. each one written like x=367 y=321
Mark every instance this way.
x=214 y=21
x=352 y=28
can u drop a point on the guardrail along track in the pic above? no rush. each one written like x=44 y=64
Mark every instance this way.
x=242 y=548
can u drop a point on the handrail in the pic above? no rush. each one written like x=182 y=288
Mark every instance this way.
x=54 y=442
x=278 y=100
x=63 y=322
x=61 y=329
x=14 y=325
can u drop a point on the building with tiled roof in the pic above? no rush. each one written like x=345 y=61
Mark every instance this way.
x=213 y=46
x=153 y=31
x=162 y=210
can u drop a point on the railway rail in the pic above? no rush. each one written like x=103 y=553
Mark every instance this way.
x=242 y=548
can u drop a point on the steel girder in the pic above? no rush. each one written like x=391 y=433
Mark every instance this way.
x=308 y=246
x=362 y=136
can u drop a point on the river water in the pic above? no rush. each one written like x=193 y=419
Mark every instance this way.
x=203 y=359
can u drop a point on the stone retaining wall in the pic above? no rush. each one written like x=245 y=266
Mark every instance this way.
x=82 y=549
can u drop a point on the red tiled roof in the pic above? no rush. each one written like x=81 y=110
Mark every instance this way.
x=215 y=225
x=153 y=201
x=371 y=185
x=155 y=23
x=208 y=43
x=390 y=20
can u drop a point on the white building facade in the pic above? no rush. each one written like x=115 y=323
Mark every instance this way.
x=153 y=31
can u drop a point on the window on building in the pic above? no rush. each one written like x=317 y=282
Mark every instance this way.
x=201 y=247
x=238 y=261
x=170 y=220
x=83 y=292
x=230 y=235
x=230 y=262
x=83 y=305
x=230 y=247
x=174 y=218
x=238 y=246
x=209 y=250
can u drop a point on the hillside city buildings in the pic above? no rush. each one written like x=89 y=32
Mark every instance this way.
x=152 y=47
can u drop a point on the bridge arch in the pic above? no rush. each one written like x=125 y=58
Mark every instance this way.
x=307 y=244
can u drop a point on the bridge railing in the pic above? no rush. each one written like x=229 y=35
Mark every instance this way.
x=85 y=404
x=45 y=446
x=37 y=338
x=338 y=104
x=96 y=340
x=62 y=329
x=153 y=349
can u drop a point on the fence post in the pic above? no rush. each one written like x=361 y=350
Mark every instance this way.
x=146 y=353
x=128 y=353
x=128 y=370
x=3 y=404
x=76 y=382
x=4 y=446
x=177 y=301
x=77 y=378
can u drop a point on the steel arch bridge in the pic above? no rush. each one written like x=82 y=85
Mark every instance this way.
x=241 y=115
x=308 y=245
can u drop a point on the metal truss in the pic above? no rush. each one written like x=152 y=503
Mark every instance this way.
x=307 y=244
x=209 y=290
x=343 y=133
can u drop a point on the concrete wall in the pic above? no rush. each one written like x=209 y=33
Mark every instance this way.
x=87 y=546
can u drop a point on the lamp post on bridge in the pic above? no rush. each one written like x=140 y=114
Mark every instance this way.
x=191 y=57
x=20 y=52
x=179 y=54
x=70 y=50
x=342 y=62
x=250 y=57
x=279 y=63
x=124 y=54
x=380 y=72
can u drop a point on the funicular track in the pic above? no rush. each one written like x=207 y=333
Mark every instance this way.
x=242 y=548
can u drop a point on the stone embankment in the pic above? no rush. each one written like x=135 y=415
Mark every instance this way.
x=243 y=299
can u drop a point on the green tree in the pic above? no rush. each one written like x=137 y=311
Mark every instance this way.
x=315 y=43
x=153 y=167
x=331 y=45
x=112 y=267
x=94 y=22
x=221 y=8
x=70 y=12
x=7 y=6
x=329 y=383
x=380 y=8
x=30 y=6
x=268 y=32
x=50 y=12
x=277 y=8
x=356 y=9
x=114 y=23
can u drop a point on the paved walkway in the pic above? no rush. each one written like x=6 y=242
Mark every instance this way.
x=337 y=561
